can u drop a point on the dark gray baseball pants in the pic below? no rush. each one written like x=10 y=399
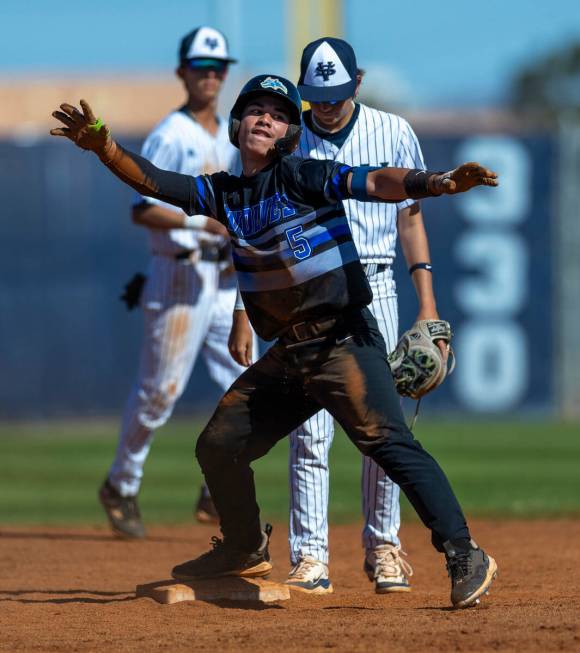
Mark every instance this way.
x=348 y=374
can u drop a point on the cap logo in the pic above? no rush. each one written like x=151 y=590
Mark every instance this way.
x=207 y=43
x=325 y=70
x=274 y=83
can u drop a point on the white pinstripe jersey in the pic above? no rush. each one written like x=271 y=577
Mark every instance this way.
x=181 y=144
x=377 y=139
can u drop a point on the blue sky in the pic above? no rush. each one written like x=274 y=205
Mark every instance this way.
x=437 y=53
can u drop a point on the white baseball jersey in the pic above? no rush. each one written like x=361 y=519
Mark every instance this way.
x=187 y=306
x=376 y=138
x=372 y=138
x=181 y=144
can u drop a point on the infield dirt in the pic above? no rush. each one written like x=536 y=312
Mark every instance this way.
x=73 y=590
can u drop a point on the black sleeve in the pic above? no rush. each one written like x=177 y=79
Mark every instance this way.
x=325 y=182
x=194 y=195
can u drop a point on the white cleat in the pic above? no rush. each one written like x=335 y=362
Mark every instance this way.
x=310 y=576
x=387 y=569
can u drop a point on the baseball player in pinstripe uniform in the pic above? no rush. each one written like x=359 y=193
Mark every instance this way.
x=189 y=294
x=337 y=128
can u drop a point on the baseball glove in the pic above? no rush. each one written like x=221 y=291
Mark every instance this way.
x=417 y=363
x=133 y=291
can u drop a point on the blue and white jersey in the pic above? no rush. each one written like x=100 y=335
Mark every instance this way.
x=372 y=138
x=180 y=144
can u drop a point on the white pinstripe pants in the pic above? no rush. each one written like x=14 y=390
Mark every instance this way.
x=187 y=309
x=309 y=475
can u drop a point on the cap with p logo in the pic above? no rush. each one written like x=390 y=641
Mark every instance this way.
x=328 y=71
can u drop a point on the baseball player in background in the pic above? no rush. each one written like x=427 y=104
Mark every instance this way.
x=339 y=129
x=189 y=293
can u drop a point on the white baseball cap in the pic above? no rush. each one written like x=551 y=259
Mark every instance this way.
x=204 y=43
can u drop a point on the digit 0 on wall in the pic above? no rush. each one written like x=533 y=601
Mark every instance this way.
x=503 y=255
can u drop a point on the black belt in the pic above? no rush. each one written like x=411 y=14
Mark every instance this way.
x=374 y=268
x=311 y=331
x=210 y=253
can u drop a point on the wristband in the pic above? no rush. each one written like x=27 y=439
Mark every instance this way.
x=195 y=222
x=417 y=184
x=358 y=183
x=421 y=266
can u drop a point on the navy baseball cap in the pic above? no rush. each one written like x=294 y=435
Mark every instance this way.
x=328 y=71
x=204 y=43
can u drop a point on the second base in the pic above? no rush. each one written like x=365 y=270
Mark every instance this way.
x=215 y=589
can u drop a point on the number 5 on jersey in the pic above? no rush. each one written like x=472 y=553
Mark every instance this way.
x=299 y=244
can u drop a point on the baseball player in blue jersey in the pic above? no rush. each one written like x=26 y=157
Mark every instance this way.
x=302 y=284
x=190 y=289
x=339 y=129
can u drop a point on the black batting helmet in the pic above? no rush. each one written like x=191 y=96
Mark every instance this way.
x=281 y=88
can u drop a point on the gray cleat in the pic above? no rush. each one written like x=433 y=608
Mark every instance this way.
x=123 y=512
x=471 y=571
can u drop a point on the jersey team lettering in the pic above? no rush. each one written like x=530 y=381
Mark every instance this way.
x=252 y=219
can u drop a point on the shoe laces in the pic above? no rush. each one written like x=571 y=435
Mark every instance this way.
x=388 y=562
x=303 y=567
x=216 y=542
x=217 y=548
x=460 y=565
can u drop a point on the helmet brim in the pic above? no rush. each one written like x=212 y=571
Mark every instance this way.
x=244 y=99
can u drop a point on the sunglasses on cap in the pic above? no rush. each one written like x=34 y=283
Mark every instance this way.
x=207 y=64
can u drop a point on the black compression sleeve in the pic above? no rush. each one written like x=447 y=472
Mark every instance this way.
x=148 y=180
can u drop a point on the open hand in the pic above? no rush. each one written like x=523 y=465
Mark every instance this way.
x=83 y=129
x=463 y=178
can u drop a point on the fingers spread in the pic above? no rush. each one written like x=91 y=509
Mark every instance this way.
x=88 y=112
x=63 y=117
x=60 y=131
x=69 y=109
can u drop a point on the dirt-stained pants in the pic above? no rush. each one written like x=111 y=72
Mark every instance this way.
x=348 y=374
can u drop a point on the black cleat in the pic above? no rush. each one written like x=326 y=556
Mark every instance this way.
x=471 y=571
x=123 y=512
x=225 y=560
x=205 y=511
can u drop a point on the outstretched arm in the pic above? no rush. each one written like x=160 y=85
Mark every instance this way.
x=88 y=133
x=396 y=184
